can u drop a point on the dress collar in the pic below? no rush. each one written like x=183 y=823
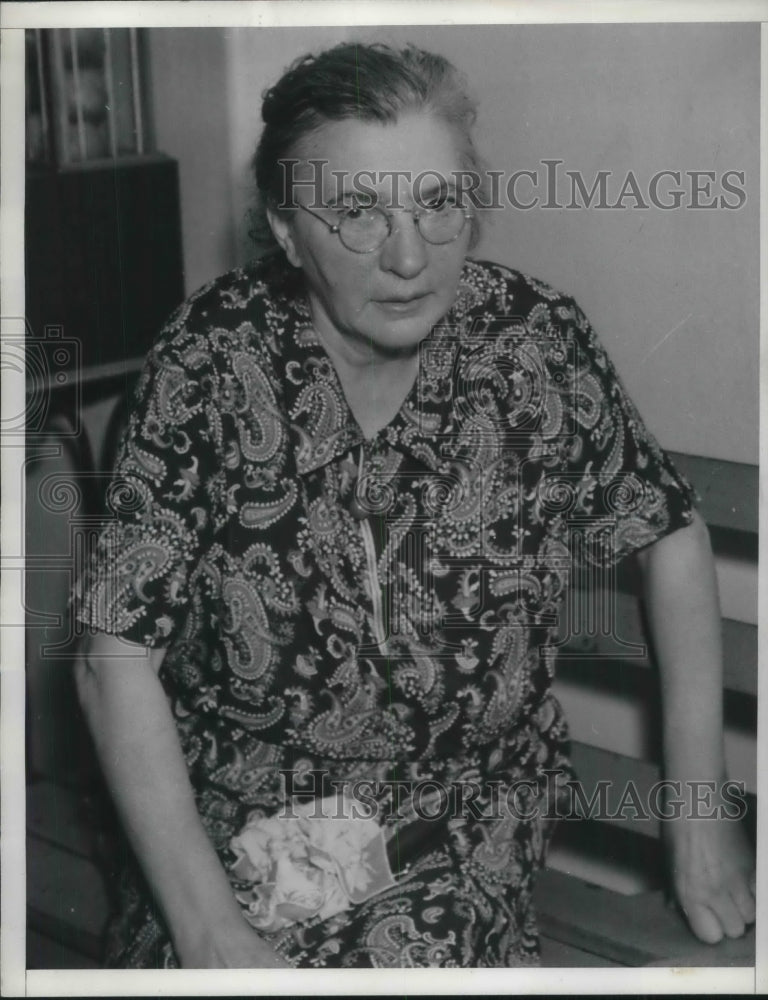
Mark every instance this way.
x=322 y=425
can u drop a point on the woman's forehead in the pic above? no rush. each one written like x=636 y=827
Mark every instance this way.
x=343 y=154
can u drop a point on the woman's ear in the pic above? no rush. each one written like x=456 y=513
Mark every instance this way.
x=279 y=223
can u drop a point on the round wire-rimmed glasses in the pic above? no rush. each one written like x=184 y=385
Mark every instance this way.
x=363 y=230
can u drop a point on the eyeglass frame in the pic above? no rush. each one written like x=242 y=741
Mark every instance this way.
x=415 y=212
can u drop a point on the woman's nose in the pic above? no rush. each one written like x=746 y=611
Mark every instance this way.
x=405 y=250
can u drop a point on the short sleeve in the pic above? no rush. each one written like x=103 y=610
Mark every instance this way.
x=618 y=472
x=160 y=502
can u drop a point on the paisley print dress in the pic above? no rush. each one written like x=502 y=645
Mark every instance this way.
x=386 y=610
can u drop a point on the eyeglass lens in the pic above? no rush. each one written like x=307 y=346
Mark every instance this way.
x=364 y=230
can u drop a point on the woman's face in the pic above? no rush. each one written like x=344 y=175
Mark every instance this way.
x=387 y=300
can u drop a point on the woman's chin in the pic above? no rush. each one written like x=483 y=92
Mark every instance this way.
x=398 y=334
x=400 y=341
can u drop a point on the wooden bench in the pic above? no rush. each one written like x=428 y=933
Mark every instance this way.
x=583 y=923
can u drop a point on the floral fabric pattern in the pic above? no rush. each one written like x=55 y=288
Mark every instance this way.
x=375 y=608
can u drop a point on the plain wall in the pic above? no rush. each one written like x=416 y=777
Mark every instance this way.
x=188 y=80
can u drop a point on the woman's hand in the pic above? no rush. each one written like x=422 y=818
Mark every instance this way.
x=237 y=946
x=713 y=876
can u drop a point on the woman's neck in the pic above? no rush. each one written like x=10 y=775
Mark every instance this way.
x=375 y=385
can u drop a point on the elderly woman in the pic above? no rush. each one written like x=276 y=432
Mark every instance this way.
x=357 y=476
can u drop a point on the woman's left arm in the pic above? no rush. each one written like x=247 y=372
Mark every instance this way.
x=711 y=862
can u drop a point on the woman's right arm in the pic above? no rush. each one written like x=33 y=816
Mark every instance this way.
x=140 y=754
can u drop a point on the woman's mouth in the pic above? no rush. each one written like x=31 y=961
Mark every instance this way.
x=402 y=304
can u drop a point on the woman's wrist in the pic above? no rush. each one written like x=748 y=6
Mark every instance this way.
x=207 y=931
x=229 y=944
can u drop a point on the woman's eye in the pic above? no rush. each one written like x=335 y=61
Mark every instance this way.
x=357 y=211
x=438 y=202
